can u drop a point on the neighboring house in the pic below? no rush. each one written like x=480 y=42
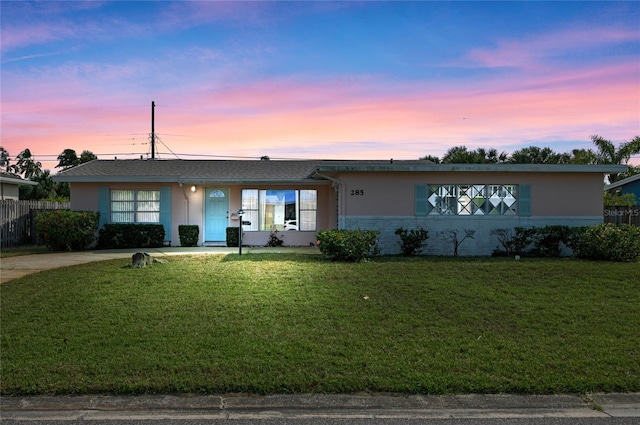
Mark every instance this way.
x=624 y=186
x=299 y=198
x=10 y=186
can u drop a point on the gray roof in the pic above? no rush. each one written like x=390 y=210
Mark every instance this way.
x=426 y=166
x=15 y=179
x=191 y=171
x=279 y=171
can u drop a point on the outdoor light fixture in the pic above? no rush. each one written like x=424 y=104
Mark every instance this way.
x=193 y=188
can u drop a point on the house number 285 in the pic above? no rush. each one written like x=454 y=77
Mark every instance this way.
x=357 y=192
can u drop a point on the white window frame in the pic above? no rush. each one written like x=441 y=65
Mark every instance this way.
x=255 y=203
x=134 y=206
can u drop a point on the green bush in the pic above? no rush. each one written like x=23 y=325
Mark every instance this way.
x=610 y=243
x=233 y=236
x=188 y=234
x=546 y=240
x=129 y=235
x=274 y=240
x=348 y=245
x=412 y=241
x=65 y=230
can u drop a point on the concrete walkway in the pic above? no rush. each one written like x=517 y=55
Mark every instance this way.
x=203 y=407
x=16 y=267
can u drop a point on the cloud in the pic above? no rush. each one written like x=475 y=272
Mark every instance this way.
x=536 y=52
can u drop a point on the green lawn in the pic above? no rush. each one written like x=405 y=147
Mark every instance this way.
x=268 y=323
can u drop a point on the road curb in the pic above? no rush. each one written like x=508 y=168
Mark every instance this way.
x=240 y=406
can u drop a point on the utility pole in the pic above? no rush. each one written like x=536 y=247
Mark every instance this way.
x=153 y=130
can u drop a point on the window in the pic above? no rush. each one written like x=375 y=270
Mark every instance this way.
x=470 y=199
x=135 y=206
x=286 y=210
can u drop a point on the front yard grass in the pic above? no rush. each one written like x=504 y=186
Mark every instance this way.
x=269 y=323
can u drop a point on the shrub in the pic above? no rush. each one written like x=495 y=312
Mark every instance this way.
x=619 y=200
x=348 y=245
x=65 y=230
x=233 y=236
x=546 y=240
x=129 y=235
x=412 y=240
x=274 y=240
x=537 y=241
x=610 y=242
x=188 y=234
x=522 y=239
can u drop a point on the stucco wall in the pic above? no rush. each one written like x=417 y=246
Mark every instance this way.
x=392 y=194
x=386 y=201
x=187 y=207
x=633 y=187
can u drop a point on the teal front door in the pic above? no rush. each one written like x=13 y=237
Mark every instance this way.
x=216 y=214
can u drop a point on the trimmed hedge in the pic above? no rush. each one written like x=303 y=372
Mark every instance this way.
x=128 y=235
x=66 y=230
x=348 y=245
x=233 y=236
x=188 y=234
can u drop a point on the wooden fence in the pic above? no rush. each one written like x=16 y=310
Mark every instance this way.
x=620 y=215
x=17 y=220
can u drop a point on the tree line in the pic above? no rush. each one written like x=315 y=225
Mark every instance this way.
x=605 y=153
x=27 y=167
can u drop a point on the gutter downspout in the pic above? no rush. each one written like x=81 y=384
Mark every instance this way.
x=339 y=187
x=186 y=198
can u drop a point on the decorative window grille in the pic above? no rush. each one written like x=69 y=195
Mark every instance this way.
x=472 y=199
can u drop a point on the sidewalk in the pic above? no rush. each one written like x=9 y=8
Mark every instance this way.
x=16 y=267
x=319 y=406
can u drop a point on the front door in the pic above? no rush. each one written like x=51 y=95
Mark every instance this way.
x=216 y=214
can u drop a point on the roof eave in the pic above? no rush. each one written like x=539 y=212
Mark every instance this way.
x=622 y=182
x=183 y=180
x=20 y=182
x=474 y=168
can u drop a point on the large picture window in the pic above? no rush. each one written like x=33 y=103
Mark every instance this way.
x=277 y=209
x=472 y=199
x=135 y=206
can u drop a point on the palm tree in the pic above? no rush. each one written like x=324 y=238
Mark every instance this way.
x=4 y=159
x=609 y=154
x=67 y=159
x=26 y=165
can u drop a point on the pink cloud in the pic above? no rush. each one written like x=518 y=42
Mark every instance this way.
x=535 y=52
x=333 y=118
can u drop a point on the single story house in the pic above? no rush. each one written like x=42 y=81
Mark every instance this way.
x=300 y=197
x=10 y=186
x=624 y=186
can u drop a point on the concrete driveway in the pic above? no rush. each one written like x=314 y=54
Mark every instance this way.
x=16 y=267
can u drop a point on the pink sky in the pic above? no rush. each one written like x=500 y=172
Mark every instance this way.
x=251 y=95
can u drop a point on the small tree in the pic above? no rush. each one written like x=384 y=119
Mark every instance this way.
x=451 y=235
